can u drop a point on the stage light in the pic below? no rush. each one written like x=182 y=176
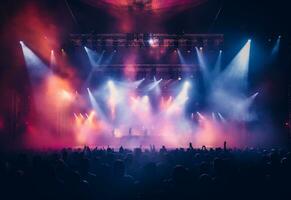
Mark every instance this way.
x=276 y=47
x=213 y=116
x=21 y=42
x=200 y=116
x=186 y=84
x=242 y=111
x=110 y=84
x=183 y=95
x=236 y=73
x=94 y=57
x=255 y=95
x=145 y=105
x=66 y=96
x=178 y=104
x=244 y=57
x=76 y=116
x=95 y=60
x=95 y=105
x=153 y=85
x=135 y=84
x=221 y=117
x=201 y=48
x=36 y=67
x=145 y=99
x=53 y=62
x=113 y=98
x=181 y=57
x=192 y=115
x=179 y=78
x=203 y=66
x=63 y=52
x=217 y=66
x=151 y=41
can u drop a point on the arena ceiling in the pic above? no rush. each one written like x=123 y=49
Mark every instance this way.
x=146 y=5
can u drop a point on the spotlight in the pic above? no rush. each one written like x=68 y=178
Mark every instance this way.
x=53 y=59
x=66 y=96
x=186 y=84
x=220 y=51
x=201 y=48
x=276 y=47
x=200 y=115
x=36 y=67
x=179 y=78
x=110 y=83
x=21 y=42
x=151 y=41
x=145 y=99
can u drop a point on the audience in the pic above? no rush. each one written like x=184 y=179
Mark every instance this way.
x=190 y=173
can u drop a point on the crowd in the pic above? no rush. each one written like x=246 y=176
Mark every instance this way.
x=88 y=173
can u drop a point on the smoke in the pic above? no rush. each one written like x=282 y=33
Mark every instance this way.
x=115 y=114
x=42 y=92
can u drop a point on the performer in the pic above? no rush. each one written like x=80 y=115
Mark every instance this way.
x=130 y=132
x=224 y=145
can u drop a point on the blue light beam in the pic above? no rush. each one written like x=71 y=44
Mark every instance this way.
x=37 y=69
x=236 y=73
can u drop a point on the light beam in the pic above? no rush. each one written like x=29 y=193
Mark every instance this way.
x=36 y=67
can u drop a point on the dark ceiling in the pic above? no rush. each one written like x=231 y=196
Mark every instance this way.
x=228 y=16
